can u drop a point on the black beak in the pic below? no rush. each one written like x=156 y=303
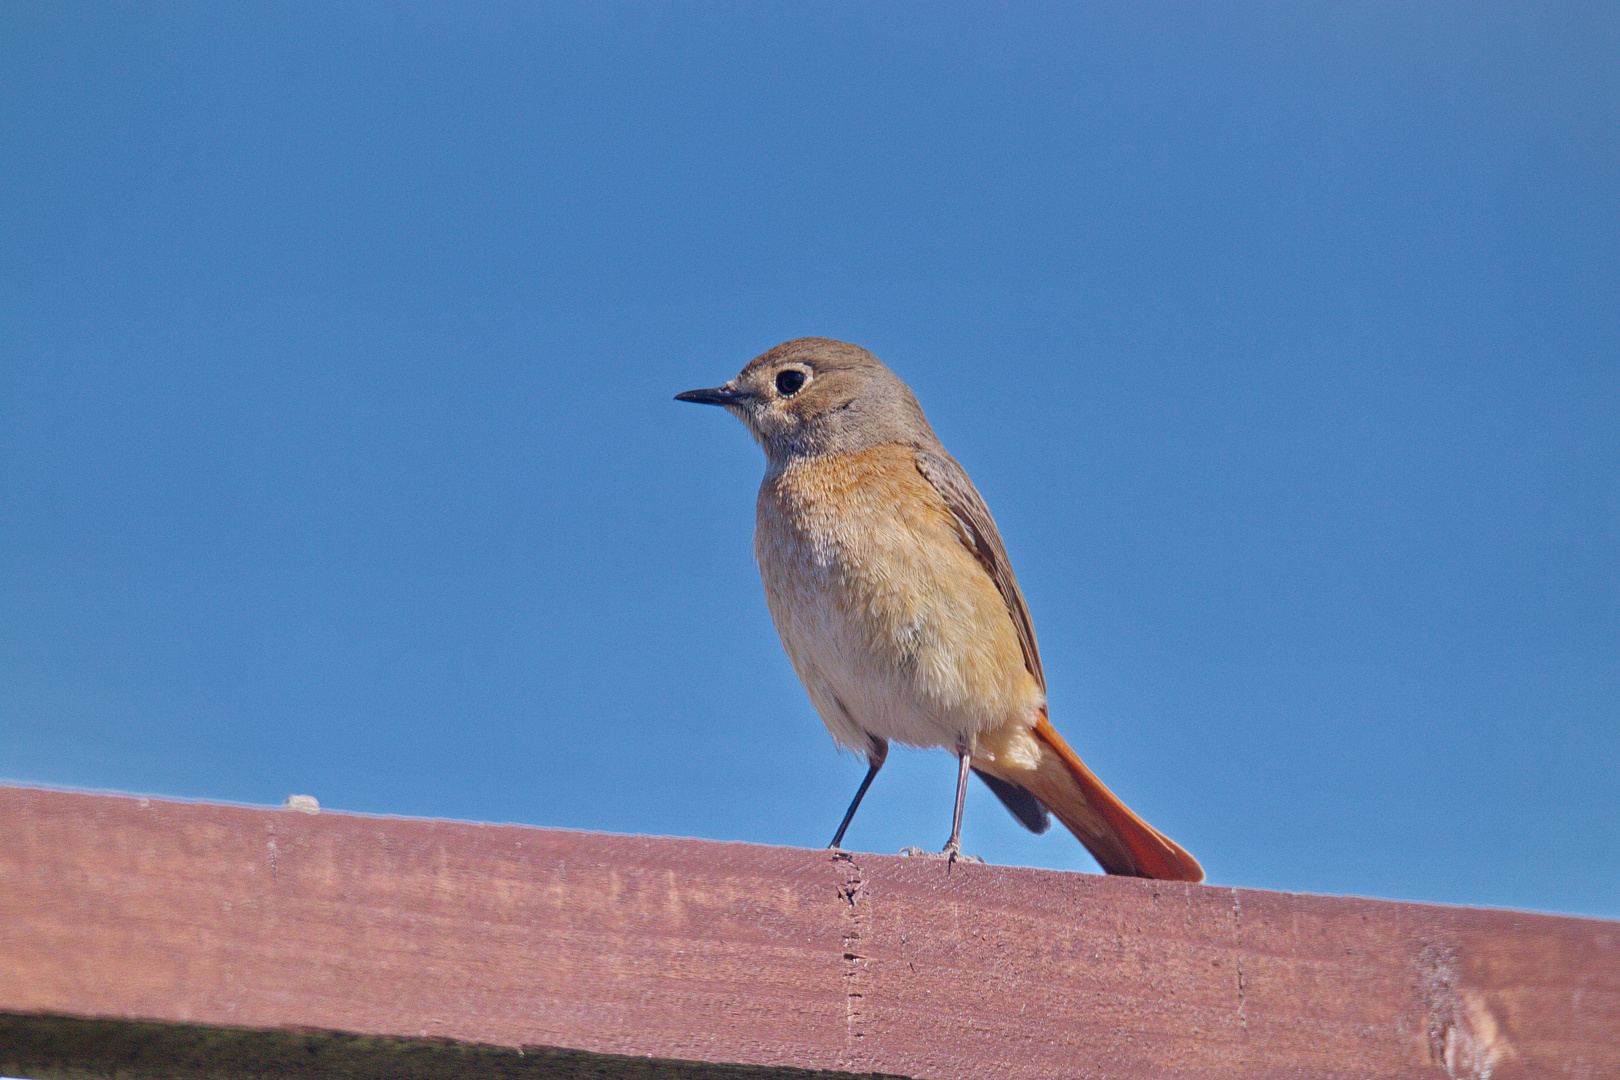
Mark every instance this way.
x=719 y=395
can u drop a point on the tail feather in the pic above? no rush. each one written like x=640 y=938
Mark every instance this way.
x=1019 y=803
x=1119 y=840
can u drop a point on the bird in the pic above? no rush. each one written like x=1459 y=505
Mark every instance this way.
x=896 y=603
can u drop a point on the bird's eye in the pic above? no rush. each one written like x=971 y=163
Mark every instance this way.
x=789 y=382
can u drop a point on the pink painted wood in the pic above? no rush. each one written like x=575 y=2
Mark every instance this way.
x=198 y=914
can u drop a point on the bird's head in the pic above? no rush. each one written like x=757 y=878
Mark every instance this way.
x=814 y=396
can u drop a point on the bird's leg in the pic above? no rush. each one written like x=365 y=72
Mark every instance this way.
x=964 y=751
x=874 y=761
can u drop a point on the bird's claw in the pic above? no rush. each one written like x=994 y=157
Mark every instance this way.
x=950 y=855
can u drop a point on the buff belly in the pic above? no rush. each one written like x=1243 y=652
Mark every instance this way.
x=893 y=626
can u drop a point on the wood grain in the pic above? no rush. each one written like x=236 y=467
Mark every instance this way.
x=200 y=915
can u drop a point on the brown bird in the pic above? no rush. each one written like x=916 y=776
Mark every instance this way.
x=896 y=602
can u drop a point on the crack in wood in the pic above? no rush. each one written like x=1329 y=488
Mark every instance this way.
x=856 y=976
x=1237 y=943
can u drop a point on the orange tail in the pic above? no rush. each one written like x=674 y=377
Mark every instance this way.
x=1119 y=840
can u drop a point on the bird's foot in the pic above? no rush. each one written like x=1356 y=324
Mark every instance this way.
x=949 y=854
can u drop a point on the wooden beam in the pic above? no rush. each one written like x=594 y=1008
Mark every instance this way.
x=196 y=929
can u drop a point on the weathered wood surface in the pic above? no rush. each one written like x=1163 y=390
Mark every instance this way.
x=272 y=920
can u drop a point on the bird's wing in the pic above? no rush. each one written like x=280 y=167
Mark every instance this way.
x=1122 y=842
x=978 y=531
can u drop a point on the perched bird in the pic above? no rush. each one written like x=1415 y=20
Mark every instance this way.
x=897 y=604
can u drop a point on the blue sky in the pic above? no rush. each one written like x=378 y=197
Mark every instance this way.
x=338 y=454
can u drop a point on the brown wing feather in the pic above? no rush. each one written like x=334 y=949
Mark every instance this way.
x=980 y=535
x=1122 y=842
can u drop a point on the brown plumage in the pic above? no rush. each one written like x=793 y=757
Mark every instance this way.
x=896 y=602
